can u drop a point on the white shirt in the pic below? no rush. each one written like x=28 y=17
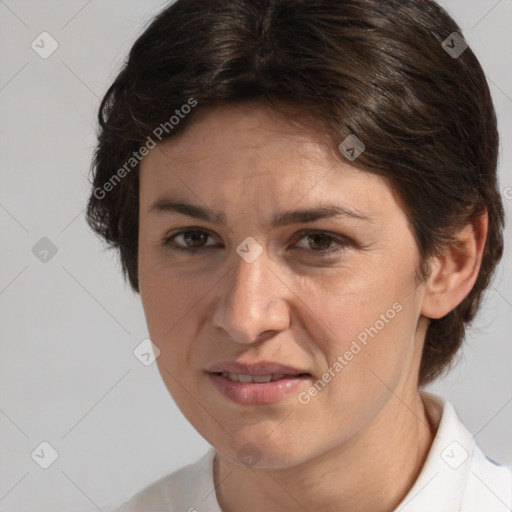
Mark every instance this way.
x=456 y=477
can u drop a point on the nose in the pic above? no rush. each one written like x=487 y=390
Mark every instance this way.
x=253 y=301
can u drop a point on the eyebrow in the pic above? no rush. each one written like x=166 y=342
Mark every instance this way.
x=284 y=218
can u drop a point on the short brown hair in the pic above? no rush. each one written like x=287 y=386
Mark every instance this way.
x=373 y=68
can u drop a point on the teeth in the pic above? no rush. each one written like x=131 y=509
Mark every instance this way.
x=261 y=378
x=238 y=377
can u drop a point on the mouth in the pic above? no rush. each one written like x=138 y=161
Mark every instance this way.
x=260 y=379
x=261 y=384
x=257 y=369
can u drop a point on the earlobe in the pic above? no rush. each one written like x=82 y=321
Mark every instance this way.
x=454 y=272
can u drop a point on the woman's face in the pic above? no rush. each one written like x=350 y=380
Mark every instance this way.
x=330 y=296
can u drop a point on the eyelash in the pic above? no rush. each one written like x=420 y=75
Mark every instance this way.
x=342 y=243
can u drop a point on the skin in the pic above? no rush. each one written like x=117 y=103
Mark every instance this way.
x=360 y=443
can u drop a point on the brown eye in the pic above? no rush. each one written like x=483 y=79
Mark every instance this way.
x=320 y=244
x=319 y=241
x=188 y=240
x=194 y=238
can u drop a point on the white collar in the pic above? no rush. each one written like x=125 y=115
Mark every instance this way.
x=445 y=473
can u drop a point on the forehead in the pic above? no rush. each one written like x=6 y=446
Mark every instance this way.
x=227 y=132
x=252 y=151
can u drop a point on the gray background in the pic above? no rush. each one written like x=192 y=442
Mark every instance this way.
x=69 y=326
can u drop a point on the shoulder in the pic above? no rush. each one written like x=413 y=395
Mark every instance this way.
x=187 y=489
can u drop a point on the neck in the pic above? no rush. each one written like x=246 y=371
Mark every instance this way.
x=373 y=471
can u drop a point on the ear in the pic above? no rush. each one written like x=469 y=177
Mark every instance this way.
x=455 y=271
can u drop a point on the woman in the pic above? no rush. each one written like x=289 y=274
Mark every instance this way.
x=304 y=194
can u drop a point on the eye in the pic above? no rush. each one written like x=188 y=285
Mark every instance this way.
x=193 y=238
x=321 y=243
x=318 y=243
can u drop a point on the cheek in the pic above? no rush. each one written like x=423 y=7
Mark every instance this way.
x=355 y=306
x=369 y=337
x=168 y=295
x=174 y=302
x=169 y=305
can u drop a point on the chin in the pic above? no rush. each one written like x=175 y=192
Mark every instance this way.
x=262 y=454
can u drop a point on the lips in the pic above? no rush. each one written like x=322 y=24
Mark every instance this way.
x=259 y=393
x=262 y=383
x=260 y=369
x=262 y=379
